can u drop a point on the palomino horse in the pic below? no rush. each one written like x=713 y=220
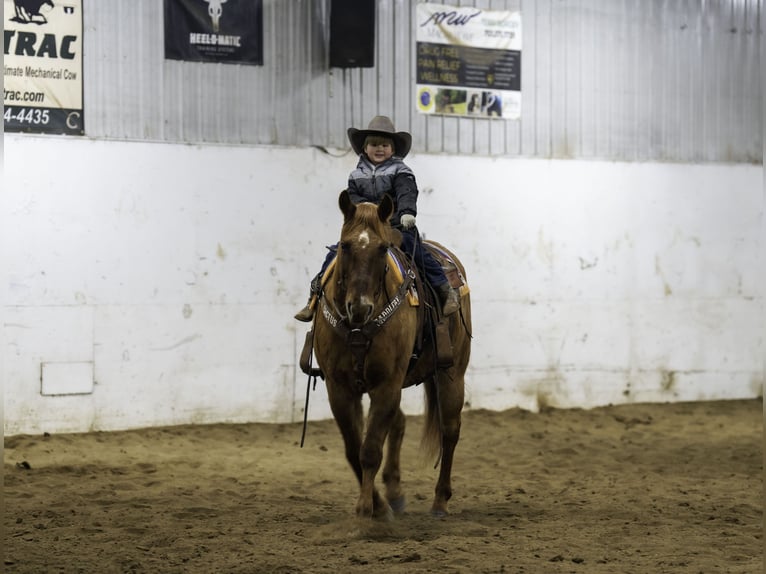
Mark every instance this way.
x=364 y=334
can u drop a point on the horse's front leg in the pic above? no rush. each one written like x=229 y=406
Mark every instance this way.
x=384 y=406
x=392 y=470
x=348 y=413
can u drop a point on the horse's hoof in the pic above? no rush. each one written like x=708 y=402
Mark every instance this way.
x=382 y=513
x=438 y=513
x=388 y=515
x=398 y=504
x=385 y=515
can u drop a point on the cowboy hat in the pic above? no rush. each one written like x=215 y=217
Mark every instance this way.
x=380 y=126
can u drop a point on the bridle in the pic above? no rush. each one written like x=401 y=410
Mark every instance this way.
x=358 y=339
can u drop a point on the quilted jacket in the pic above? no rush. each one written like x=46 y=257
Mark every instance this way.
x=369 y=182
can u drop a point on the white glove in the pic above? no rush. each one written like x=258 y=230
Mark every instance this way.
x=407 y=221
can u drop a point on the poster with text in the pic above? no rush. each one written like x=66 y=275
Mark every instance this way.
x=226 y=31
x=468 y=62
x=42 y=67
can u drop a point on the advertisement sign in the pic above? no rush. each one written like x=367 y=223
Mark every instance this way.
x=468 y=61
x=42 y=67
x=227 y=31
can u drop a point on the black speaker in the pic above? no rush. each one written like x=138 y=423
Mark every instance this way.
x=352 y=33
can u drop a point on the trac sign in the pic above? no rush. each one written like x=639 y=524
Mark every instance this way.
x=42 y=73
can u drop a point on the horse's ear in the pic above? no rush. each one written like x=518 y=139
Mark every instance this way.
x=386 y=208
x=346 y=205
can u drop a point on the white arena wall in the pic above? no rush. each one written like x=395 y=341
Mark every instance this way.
x=154 y=284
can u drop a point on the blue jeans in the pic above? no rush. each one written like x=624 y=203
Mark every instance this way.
x=425 y=262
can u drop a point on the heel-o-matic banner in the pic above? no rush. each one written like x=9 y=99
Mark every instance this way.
x=227 y=31
x=468 y=61
x=42 y=66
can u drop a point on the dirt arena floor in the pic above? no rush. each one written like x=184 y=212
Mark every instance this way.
x=631 y=489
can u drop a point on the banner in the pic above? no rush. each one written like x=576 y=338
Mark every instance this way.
x=42 y=66
x=227 y=31
x=468 y=62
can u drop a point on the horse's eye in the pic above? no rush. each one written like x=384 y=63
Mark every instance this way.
x=382 y=250
x=345 y=246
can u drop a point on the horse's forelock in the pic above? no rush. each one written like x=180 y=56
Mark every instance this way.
x=365 y=217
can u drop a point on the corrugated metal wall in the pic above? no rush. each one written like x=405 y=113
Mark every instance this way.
x=668 y=80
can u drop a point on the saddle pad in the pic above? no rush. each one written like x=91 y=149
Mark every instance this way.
x=451 y=270
x=328 y=272
x=398 y=269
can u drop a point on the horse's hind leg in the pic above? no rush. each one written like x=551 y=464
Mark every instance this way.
x=450 y=397
x=391 y=471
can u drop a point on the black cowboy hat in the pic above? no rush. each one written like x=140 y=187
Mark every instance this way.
x=381 y=126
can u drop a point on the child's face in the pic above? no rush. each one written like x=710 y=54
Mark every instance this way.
x=379 y=150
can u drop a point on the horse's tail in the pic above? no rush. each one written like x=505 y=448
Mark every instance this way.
x=431 y=440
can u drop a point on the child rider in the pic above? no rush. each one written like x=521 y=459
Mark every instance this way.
x=381 y=171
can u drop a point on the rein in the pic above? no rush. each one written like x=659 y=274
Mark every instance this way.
x=359 y=339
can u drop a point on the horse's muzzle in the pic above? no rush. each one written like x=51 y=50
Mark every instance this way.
x=359 y=311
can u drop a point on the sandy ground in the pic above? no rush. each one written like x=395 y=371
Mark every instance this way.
x=631 y=489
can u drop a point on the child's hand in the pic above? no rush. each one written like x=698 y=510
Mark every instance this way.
x=408 y=221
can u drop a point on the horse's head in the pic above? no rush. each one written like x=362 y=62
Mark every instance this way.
x=362 y=256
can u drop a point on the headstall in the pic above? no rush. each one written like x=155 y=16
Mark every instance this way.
x=359 y=339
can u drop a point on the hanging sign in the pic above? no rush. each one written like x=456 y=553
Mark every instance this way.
x=468 y=61
x=227 y=31
x=42 y=67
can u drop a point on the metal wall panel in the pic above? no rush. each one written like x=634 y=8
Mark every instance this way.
x=667 y=80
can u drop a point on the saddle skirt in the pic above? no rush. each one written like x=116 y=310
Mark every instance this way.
x=451 y=270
